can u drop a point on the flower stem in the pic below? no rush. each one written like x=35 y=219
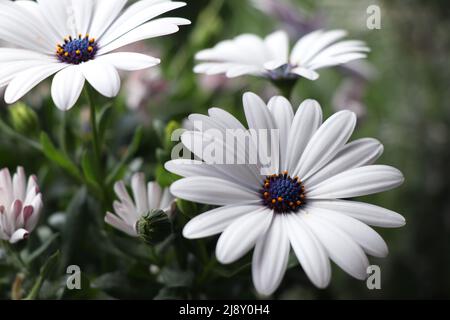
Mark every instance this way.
x=93 y=118
x=285 y=87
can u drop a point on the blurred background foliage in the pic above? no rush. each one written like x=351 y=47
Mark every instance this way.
x=400 y=95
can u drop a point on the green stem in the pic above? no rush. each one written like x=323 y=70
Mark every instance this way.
x=285 y=87
x=95 y=136
x=15 y=257
x=62 y=133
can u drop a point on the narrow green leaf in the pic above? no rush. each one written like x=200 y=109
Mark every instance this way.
x=53 y=154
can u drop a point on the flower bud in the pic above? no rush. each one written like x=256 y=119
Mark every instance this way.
x=154 y=227
x=23 y=119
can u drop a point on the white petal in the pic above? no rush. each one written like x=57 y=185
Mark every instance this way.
x=119 y=224
x=140 y=193
x=236 y=173
x=154 y=195
x=129 y=61
x=367 y=213
x=241 y=235
x=148 y=30
x=226 y=119
x=307 y=73
x=27 y=80
x=283 y=116
x=33 y=220
x=358 y=182
x=19 y=184
x=326 y=143
x=277 y=44
x=102 y=76
x=216 y=221
x=271 y=257
x=66 y=87
x=355 y=154
x=106 y=12
x=82 y=11
x=366 y=237
x=309 y=251
x=340 y=247
x=307 y=120
x=19 y=235
x=212 y=191
x=124 y=25
x=261 y=120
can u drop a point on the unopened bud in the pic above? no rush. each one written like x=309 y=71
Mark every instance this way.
x=154 y=227
x=23 y=119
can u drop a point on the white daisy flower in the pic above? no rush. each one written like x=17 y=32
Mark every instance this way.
x=20 y=205
x=128 y=211
x=300 y=204
x=248 y=54
x=75 y=40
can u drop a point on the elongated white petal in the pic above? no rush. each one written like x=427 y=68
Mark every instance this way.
x=66 y=87
x=309 y=251
x=102 y=76
x=119 y=224
x=215 y=221
x=366 y=237
x=358 y=153
x=277 y=45
x=283 y=116
x=358 y=182
x=27 y=80
x=148 y=30
x=212 y=191
x=270 y=257
x=239 y=237
x=326 y=143
x=129 y=61
x=140 y=193
x=367 y=213
x=154 y=195
x=106 y=11
x=344 y=251
x=306 y=121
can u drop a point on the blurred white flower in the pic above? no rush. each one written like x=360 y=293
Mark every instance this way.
x=299 y=204
x=74 y=39
x=143 y=85
x=128 y=210
x=20 y=205
x=270 y=57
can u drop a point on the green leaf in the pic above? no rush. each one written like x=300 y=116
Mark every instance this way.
x=103 y=119
x=174 y=278
x=39 y=251
x=132 y=149
x=53 y=154
x=90 y=172
x=164 y=178
x=46 y=271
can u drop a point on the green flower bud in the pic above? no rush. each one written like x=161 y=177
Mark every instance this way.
x=154 y=227
x=23 y=119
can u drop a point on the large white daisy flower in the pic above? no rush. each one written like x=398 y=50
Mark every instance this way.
x=299 y=204
x=270 y=57
x=74 y=39
x=146 y=198
x=20 y=205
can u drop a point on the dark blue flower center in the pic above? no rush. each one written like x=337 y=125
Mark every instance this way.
x=282 y=193
x=78 y=50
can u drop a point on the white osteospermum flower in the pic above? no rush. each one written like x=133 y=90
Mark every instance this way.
x=20 y=205
x=146 y=198
x=299 y=204
x=74 y=39
x=270 y=57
